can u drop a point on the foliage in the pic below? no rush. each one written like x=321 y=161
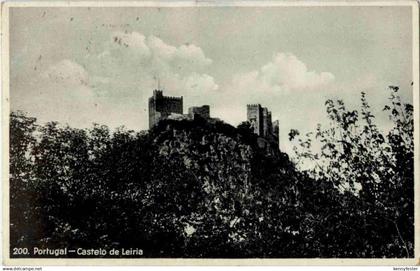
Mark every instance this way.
x=373 y=168
x=206 y=189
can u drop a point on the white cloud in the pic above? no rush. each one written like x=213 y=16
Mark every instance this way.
x=284 y=72
x=285 y=85
x=273 y=82
x=158 y=52
x=133 y=40
x=252 y=82
x=66 y=72
x=60 y=93
x=287 y=71
x=197 y=81
x=131 y=60
x=186 y=54
x=111 y=84
x=193 y=53
x=161 y=49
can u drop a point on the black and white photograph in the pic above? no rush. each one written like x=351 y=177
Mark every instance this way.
x=236 y=131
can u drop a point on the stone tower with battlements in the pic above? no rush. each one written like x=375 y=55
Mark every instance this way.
x=261 y=121
x=161 y=107
x=255 y=118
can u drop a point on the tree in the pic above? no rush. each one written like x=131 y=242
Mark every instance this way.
x=21 y=178
x=371 y=169
x=195 y=188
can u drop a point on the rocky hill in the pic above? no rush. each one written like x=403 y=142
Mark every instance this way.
x=186 y=188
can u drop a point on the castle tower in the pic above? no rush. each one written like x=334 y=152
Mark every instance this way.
x=267 y=122
x=260 y=119
x=255 y=118
x=160 y=107
x=276 y=130
x=202 y=111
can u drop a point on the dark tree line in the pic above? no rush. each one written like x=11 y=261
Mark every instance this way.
x=200 y=189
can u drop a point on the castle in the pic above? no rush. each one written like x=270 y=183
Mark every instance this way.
x=164 y=107
x=202 y=111
x=161 y=107
x=260 y=119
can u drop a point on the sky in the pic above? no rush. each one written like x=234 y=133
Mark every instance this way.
x=82 y=65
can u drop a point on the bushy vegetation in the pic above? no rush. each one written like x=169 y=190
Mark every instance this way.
x=200 y=189
x=373 y=170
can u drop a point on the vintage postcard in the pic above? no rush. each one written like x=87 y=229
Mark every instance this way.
x=210 y=133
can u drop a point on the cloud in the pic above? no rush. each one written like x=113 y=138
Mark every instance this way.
x=156 y=52
x=161 y=49
x=131 y=63
x=60 y=93
x=200 y=81
x=252 y=82
x=191 y=54
x=112 y=81
x=279 y=79
x=285 y=72
x=66 y=72
x=285 y=85
x=132 y=40
x=65 y=81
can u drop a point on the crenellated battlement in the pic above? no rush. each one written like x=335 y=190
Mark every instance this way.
x=166 y=107
x=172 y=98
x=160 y=107
x=157 y=93
x=253 y=105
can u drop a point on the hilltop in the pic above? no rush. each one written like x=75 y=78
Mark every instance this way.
x=188 y=188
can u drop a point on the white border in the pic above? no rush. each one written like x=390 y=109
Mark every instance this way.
x=217 y=262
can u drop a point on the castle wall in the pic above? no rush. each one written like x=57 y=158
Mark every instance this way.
x=164 y=107
x=276 y=130
x=266 y=122
x=203 y=111
x=161 y=107
x=254 y=116
x=261 y=121
x=154 y=116
x=269 y=123
x=167 y=105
